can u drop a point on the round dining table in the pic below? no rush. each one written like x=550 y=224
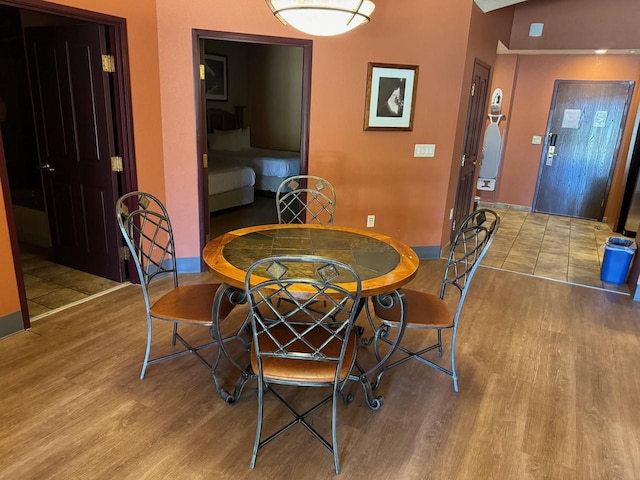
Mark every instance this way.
x=382 y=263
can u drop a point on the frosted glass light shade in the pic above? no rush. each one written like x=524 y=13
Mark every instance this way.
x=322 y=17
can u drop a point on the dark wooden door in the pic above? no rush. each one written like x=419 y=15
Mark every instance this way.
x=473 y=131
x=74 y=128
x=584 y=132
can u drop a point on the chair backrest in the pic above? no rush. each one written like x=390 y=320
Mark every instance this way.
x=321 y=300
x=306 y=199
x=469 y=246
x=146 y=228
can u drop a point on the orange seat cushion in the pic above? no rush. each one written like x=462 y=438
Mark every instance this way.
x=424 y=310
x=188 y=303
x=303 y=371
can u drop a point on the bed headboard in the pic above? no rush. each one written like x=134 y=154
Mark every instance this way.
x=222 y=120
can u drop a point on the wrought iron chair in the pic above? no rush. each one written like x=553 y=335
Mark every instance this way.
x=297 y=343
x=146 y=228
x=306 y=199
x=431 y=312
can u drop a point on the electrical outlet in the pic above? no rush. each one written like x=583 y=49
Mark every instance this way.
x=371 y=220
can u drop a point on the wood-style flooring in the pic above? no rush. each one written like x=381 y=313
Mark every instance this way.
x=549 y=388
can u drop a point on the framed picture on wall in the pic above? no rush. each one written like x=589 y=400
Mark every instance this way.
x=391 y=96
x=215 y=77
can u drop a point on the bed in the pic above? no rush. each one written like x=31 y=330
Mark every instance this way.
x=230 y=186
x=229 y=143
x=271 y=167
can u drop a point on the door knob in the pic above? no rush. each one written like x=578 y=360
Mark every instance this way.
x=47 y=168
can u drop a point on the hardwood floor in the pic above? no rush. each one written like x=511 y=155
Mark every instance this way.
x=549 y=388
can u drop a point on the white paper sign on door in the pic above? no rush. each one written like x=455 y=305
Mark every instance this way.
x=571 y=118
x=600 y=119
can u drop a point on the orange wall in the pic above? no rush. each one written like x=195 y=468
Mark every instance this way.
x=373 y=172
x=529 y=113
x=9 y=300
x=577 y=24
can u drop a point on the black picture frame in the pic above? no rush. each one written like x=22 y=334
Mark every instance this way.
x=215 y=77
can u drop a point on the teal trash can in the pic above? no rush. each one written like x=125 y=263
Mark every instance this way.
x=618 y=253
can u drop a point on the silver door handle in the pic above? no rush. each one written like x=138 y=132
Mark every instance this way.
x=551 y=152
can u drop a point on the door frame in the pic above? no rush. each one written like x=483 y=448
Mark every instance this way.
x=116 y=31
x=631 y=180
x=469 y=130
x=623 y=124
x=198 y=37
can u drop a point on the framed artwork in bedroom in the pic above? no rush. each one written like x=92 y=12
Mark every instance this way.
x=215 y=77
x=390 y=97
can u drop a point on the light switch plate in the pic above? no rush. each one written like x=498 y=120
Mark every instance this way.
x=371 y=220
x=536 y=140
x=424 y=150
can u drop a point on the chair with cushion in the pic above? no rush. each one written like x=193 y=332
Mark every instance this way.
x=306 y=199
x=298 y=344
x=426 y=311
x=146 y=228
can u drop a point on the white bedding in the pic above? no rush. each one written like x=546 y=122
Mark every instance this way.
x=267 y=163
x=224 y=176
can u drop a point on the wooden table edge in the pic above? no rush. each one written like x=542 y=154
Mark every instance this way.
x=405 y=271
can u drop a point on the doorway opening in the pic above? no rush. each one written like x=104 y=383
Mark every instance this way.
x=471 y=145
x=50 y=238
x=629 y=220
x=253 y=123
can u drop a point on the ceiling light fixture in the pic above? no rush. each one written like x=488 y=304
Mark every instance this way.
x=322 y=17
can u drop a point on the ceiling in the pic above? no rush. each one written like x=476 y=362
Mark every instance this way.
x=489 y=5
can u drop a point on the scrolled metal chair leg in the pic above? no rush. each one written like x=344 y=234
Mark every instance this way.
x=374 y=403
x=230 y=398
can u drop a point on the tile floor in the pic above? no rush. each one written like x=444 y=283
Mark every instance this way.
x=559 y=248
x=50 y=286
